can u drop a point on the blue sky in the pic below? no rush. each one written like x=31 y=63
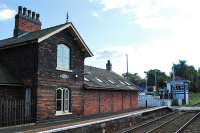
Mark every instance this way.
x=154 y=33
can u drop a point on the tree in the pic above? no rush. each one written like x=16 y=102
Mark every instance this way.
x=161 y=77
x=134 y=78
x=188 y=73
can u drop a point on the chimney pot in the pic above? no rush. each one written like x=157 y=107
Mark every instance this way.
x=24 y=11
x=108 y=66
x=20 y=10
x=33 y=15
x=29 y=13
x=37 y=17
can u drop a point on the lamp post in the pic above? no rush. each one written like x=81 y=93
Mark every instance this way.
x=174 y=86
x=155 y=80
x=146 y=80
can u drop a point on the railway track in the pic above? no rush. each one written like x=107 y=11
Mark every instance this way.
x=177 y=122
x=145 y=127
x=192 y=126
x=175 y=125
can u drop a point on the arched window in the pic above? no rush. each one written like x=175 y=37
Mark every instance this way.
x=63 y=57
x=62 y=101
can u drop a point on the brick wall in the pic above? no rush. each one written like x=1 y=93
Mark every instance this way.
x=126 y=100
x=49 y=79
x=105 y=102
x=91 y=103
x=134 y=100
x=117 y=101
x=96 y=102
x=24 y=25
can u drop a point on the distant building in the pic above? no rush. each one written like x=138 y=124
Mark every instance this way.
x=142 y=91
x=177 y=90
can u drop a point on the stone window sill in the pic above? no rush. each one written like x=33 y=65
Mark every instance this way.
x=63 y=69
x=64 y=113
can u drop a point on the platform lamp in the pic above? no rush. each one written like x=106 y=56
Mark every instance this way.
x=146 y=80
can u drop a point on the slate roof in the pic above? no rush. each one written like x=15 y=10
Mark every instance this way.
x=101 y=79
x=6 y=78
x=44 y=33
x=29 y=36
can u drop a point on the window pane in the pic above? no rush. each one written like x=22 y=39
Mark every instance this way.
x=59 y=55
x=59 y=94
x=58 y=105
x=66 y=106
x=66 y=62
x=66 y=57
x=66 y=100
x=66 y=95
x=63 y=56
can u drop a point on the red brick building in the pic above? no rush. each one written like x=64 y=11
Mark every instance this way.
x=43 y=75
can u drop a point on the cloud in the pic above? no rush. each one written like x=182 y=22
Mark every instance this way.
x=94 y=13
x=6 y=13
x=108 y=53
x=157 y=55
x=154 y=13
x=175 y=29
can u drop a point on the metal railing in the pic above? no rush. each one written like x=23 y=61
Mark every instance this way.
x=152 y=101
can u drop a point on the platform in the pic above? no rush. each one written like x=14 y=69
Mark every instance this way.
x=46 y=128
x=183 y=108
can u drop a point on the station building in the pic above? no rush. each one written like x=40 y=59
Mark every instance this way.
x=43 y=76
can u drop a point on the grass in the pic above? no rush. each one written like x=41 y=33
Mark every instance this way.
x=194 y=98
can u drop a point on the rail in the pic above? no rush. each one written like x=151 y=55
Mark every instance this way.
x=174 y=123
x=186 y=124
x=147 y=123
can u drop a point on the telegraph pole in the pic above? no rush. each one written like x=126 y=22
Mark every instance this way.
x=127 y=66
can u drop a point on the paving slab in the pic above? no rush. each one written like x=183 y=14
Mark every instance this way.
x=182 y=108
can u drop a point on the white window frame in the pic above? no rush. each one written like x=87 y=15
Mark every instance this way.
x=61 y=66
x=63 y=102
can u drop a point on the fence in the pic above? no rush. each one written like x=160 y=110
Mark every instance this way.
x=15 y=112
x=152 y=101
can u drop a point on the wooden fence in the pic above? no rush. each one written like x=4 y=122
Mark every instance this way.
x=15 y=112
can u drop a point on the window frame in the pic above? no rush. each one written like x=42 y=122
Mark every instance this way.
x=62 y=66
x=63 y=110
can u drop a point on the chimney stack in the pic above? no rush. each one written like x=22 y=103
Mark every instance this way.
x=108 y=66
x=26 y=21
x=20 y=10
x=24 y=11
x=33 y=15
x=29 y=13
x=37 y=17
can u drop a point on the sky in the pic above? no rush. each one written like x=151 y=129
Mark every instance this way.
x=154 y=33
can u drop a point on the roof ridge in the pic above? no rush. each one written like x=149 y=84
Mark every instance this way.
x=94 y=67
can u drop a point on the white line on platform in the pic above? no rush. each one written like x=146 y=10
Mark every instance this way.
x=102 y=121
